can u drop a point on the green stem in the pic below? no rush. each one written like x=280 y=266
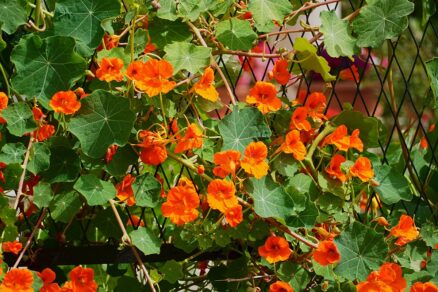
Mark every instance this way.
x=38 y=13
x=327 y=130
x=5 y=77
x=163 y=111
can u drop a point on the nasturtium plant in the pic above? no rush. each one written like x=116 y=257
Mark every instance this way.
x=181 y=145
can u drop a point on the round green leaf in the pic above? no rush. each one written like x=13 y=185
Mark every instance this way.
x=393 y=186
x=236 y=34
x=381 y=20
x=19 y=119
x=163 y=32
x=186 y=56
x=12 y=153
x=39 y=159
x=96 y=191
x=12 y=14
x=82 y=19
x=242 y=127
x=104 y=119
x=65 y=165
x=42 y=195
x=362 y=250
x=337 y=36
x=46 y=66
x=146 y=191
x=172 y=271
x=270 y=199
x=64 y=206
x=146 y=241
x=265 y=11
x=123 y=158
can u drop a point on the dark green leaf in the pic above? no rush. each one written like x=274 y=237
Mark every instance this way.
x=270 y=199
x=95 y=191
x=39 y=159
x=371 y=129
x=172 y=271
x=337 y=36
x=19 y=119
x=305 y=218
x=393 y=186
x=165 y=32
x=146 y=190
x=46 y=66
x=104 y=119
x=186 y=56
x=242 y=127
x=65 y=206
x=381 y=20
x=12 y=175
x=362 y=250
x=265 y=12
x=124 y=157
x=12 y=153
x=12 y=14
x=82 y=19
x=146 y=241
x=236 y=34
x=429 y=234
x=42 y=195
x=285 y=164
x=65 y=165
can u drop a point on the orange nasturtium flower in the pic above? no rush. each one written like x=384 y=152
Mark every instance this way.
x=3 y=104
x=135 y=221
x=135 y=70
x=221 y=195
x=299 y=119
x=234 y=215
x=350 y=73
x=48 y=277
x=155 y=76
x=110 y=69
x=17 y=280
x=153 y=150
x=181 y=204
x=3 y=101
x=280 y=286
x=253 y=161
x=125 y=191
x=275 y=249
x=293 y=144
x=82 y=279
x=12 y=246
x=405 y=230
x=342 y=141
x=327 y=253
x=204 y=87
x=45 y=132
x=334 y=170
x=424 y=287
x=264 y=96
x=362 y=169
x=228 y=162
x=280 y=72
x=388 y=278
x=65 y=102
x=315 y=104
x=192 y=139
